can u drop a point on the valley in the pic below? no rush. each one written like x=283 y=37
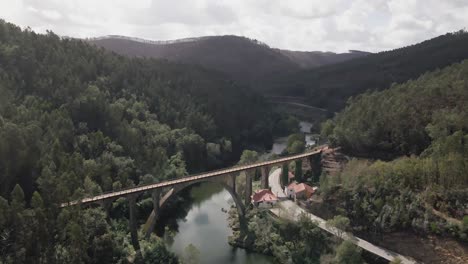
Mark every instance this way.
x=223 y=149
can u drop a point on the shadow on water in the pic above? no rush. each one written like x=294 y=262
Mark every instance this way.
x=177 y=209
x=198 y=216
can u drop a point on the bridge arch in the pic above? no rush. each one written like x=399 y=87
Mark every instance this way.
x=225 y=182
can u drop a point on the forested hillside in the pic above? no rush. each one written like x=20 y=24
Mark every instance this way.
x=422 y=125
x=245 y=60
x=407 y=118
x=76 y=120
x=330 y=86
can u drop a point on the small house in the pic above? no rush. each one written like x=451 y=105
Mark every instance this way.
x=264 y=199
x=299 y=191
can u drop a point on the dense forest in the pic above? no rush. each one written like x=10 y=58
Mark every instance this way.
x=330 y=86
x=77 y=120
x=293 y=242
x=421 y=128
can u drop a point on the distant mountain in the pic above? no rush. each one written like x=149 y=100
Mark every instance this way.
x=245 y=60
x=330 y=86
x=313 y=59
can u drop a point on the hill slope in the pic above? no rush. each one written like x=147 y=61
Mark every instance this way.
x=420 y=128
x=330 y=86
x=77 y=121
x=246 y=61
x=313 y=59
x=67 y=90
x=406 y=118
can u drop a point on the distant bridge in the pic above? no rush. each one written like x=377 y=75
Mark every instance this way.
x=226 y=177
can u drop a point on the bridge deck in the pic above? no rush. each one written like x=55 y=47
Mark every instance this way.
x=143 y=188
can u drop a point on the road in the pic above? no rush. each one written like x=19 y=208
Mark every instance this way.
x=293 y=100
x=289 y=210
x=274 y=183
x=304 y=105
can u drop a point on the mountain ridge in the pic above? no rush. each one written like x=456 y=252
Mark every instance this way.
x=247 y=61
x=330 y=86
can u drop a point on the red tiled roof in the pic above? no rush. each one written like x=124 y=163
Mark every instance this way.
x=301 y=187
x=264 y=195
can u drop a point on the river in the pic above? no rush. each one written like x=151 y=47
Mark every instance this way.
x=206 y=227
x=200 y=220
x=280 y=143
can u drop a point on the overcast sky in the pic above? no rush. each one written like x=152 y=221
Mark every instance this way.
x=327 y=25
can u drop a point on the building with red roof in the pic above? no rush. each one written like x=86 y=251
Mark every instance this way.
x=264 y=198
x=299 y=191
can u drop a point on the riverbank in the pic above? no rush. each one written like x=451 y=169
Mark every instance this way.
x=205 y=226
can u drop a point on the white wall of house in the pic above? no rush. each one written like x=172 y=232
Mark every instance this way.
x=289 y=192
x=268 y=204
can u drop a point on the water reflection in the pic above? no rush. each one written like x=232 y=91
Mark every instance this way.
x=205 y=226
x=280 y=144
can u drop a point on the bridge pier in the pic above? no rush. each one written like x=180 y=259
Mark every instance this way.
x=284 y=177
x=155 y=197
x=232 y=181
x=248 y=186
x=133 y=222
x=106 y=205
x=298 y=170
x=265 y=174
x=315 y=163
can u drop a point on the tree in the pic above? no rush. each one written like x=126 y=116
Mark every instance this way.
x=396 y=261
x=248 y=156
x=40 y=228
x=347 y=253
x=296 y=143
x=191 y=254
x=17 y=200
x=341 y=223
x=155 y=252
x=298 y=170
x=285 y=174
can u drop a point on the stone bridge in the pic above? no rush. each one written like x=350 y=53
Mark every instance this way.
x=162 y=192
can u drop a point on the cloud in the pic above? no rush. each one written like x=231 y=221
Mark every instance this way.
x=335 y=25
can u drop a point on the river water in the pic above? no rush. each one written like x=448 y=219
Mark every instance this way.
x=205 y=224
x=206 y=227
x=280 y=144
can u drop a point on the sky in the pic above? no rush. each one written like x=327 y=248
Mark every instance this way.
x=325 y=25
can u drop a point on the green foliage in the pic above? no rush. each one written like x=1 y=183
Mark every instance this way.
x=408 y=117
x=76 y=120
x=348 y=253
x=398 y=195
x=340 y=222
x=286 y=125
x=155 y=252
x=427 y=116
x=285 y=175
x=396 y=261
x=465 y=224
x=191 y=254
x=301 y=242
x=298 y=171
x=296 y=143
x=248 y=156
x=331 y=86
